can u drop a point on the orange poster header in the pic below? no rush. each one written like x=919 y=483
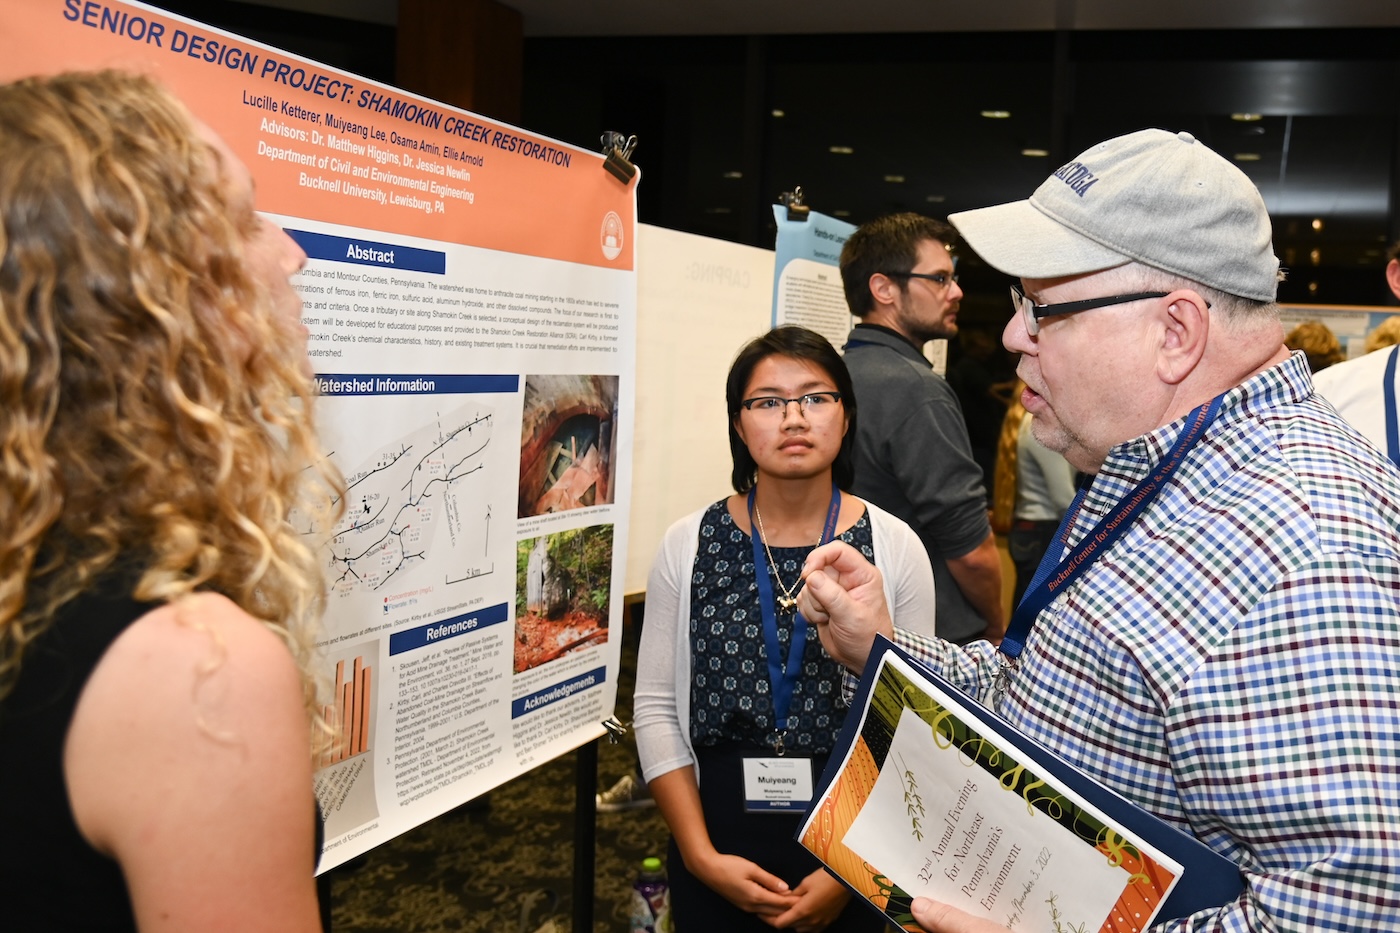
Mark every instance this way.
x=334 y=147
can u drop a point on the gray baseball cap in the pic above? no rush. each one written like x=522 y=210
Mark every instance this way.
x=1163 y=199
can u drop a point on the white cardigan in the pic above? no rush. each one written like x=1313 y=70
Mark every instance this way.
x=661 y=712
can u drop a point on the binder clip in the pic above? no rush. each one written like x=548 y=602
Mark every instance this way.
x=796 y=210
x=616 y=730
x=617 y=148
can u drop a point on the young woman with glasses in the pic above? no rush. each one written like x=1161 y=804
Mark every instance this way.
x=737 y=705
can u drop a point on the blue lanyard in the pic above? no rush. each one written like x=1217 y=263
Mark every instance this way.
x=1392 y=426
x=783 y=675
x=1054 y=575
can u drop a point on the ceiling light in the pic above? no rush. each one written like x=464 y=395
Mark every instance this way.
x=778 y=113
x=1317 y=224
x=841 y=213
x=936 y=198
x=840 y=150
x=996 y=114
x=1246 y=117
x=1312 y=288
x=733 y=175
x=1315 y=257
x=1246 y=157
x=1035 y=153
x=895 y=179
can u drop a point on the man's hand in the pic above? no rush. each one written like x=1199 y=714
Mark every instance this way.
x=821 y=900
x=844 y=597
x=747 y=886
x=936 y=917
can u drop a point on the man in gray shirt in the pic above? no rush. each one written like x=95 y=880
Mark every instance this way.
x=912 y=452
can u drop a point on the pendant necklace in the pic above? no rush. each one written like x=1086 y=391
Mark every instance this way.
x=783 y=668
x=787 y=602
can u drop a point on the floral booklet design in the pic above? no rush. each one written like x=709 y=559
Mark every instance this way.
x=928 y=794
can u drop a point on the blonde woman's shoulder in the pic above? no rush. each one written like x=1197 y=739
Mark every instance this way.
x=188 y=761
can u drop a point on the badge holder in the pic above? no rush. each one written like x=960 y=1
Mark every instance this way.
x=777 y=785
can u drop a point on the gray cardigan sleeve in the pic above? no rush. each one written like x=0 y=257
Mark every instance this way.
x=904 y=564
x=661 y=712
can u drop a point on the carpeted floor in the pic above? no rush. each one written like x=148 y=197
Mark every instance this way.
x=504 y=863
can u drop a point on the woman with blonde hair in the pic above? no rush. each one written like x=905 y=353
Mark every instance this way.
x=157 y=608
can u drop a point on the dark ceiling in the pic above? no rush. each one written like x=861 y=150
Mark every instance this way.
x=716 y=152
x=726 y=122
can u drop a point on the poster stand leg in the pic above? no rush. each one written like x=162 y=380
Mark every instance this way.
x=585 y=835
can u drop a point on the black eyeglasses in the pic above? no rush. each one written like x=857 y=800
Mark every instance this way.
x=938 y=278
x=813 y=403
x=1032 y=312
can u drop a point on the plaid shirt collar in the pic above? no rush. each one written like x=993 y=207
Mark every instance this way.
x=1129 y=463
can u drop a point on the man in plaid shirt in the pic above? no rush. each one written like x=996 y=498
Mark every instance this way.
x=1216 y=634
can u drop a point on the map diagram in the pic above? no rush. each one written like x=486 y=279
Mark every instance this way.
x=397 y=499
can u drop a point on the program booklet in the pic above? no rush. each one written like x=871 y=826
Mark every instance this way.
x=928 y=794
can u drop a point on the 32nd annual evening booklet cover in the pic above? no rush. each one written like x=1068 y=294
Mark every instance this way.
x=928 y=794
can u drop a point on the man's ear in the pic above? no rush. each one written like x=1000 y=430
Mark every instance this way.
x=1186 y=317
x=1392 y=275
x=883 y=289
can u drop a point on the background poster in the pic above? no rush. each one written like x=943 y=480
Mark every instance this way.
x=807 y=288
x=807 y=282
x=698 y=301
x=471 y=302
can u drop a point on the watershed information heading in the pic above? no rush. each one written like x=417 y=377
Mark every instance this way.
x=371 y=384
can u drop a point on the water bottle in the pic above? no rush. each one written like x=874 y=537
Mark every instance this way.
x=651 y=900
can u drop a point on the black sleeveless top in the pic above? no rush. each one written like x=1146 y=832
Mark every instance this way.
x=51 y=879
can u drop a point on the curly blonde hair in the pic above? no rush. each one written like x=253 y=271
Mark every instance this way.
x=1317 y=342
x=155 y=409
x=1385 y=334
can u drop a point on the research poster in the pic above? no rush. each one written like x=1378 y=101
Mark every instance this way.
x=470 y=295
x=807 y=288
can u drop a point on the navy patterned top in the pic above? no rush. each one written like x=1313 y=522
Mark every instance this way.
x=731 y=699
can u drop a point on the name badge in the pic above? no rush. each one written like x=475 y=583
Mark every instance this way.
x=777 y=785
